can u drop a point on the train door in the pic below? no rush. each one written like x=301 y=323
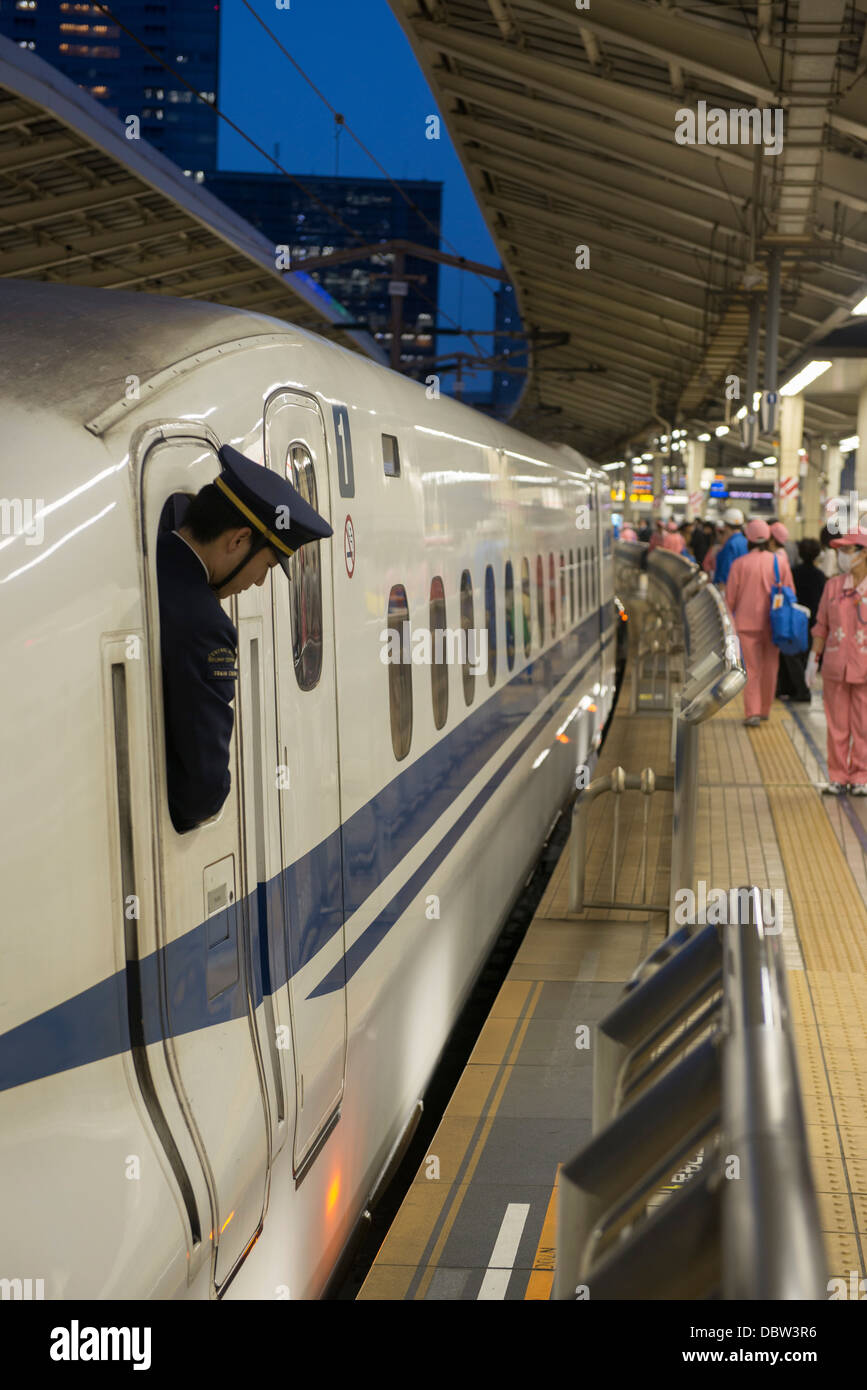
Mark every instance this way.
x=303 y=609
x=207 y=928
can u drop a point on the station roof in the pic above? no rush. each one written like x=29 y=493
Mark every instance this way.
x=565 y=119
x=81 y=204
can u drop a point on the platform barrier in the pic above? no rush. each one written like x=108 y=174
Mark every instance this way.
x=687 y=626
x=695 y=1076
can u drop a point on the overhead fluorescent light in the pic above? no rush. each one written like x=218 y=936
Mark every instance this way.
x=772 y=458
x=796 y=384
x=647 y=456
x=703 y=438
x=846 y=445
x=721 y=430
x=861 y=306
x=741 y=413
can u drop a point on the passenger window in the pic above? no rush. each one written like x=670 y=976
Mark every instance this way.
x=400 y=673
x=305 y=580
x=490 y=624
x=552 y=594
x=526 y=605
x=467 y=626
x=540 y=598
x=439 y=671
x=562 y=593
x=510 y=616
x=571 y=588
x=390 y=456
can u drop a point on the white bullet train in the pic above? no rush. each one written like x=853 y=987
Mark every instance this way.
x=213 y=1044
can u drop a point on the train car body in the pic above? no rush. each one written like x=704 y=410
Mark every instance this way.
x=212 y=1043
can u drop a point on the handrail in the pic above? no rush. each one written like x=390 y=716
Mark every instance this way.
x=688 y=618
x=772 y=1240
x=697 y=1056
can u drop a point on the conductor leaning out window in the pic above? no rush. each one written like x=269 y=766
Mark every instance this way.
x=235 y=530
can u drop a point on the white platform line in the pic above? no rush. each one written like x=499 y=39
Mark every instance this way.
x=499 y=1271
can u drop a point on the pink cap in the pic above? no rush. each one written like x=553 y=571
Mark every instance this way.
x=851 y=538
x=779 y=532
x=757 y=531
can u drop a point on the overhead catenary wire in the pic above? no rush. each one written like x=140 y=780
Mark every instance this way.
x=343 y=124
x=158 y=58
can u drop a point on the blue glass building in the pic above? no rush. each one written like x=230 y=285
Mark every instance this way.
x=78 y=38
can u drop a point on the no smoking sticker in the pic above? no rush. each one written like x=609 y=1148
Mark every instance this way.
x=349 y=546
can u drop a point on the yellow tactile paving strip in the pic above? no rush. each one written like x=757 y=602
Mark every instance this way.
x=762 y=821
x=759 y=821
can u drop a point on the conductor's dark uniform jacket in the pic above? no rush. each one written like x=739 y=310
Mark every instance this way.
x=200 y=669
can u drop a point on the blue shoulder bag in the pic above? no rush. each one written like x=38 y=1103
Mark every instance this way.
x=790 y=622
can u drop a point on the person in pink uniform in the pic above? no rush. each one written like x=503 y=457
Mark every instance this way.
x=840 y=638
x=656 y=538
x=672 y=539
x=627 y=533
x=748 y=595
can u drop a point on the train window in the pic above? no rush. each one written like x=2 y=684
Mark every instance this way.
x=526 y=606
x=467 y=626
x=510 y=616
x=305 y=580
x=400 y=673
x=491 y=623
x=571 y=588
x=390 y=456
x=552 y=594
x=562 y=593
x=439 y=671
x=540 y=598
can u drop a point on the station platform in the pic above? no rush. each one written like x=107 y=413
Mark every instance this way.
x=479 y=1220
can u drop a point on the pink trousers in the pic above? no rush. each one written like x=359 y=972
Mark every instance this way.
x=846 y=717
x=761 y=658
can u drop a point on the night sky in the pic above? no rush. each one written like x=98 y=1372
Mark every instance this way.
x=356 y=54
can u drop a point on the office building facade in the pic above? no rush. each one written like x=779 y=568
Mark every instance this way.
x=369 y=211
x=106 y=62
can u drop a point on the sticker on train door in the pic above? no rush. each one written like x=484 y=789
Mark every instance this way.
x=349 y=545
x=345 y=470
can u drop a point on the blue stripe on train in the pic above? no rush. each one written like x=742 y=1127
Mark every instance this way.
x=93 y=1024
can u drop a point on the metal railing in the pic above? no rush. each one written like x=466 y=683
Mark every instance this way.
x=695 y=1069
x=685 y=617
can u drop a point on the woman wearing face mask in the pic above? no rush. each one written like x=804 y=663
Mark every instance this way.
x=841 y=635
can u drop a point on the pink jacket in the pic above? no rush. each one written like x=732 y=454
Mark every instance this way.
x=842 y=622
x=748 y=590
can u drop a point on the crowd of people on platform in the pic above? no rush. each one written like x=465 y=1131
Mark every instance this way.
x=748 y=561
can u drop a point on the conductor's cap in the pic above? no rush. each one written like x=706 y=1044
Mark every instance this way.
x=270 y=504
